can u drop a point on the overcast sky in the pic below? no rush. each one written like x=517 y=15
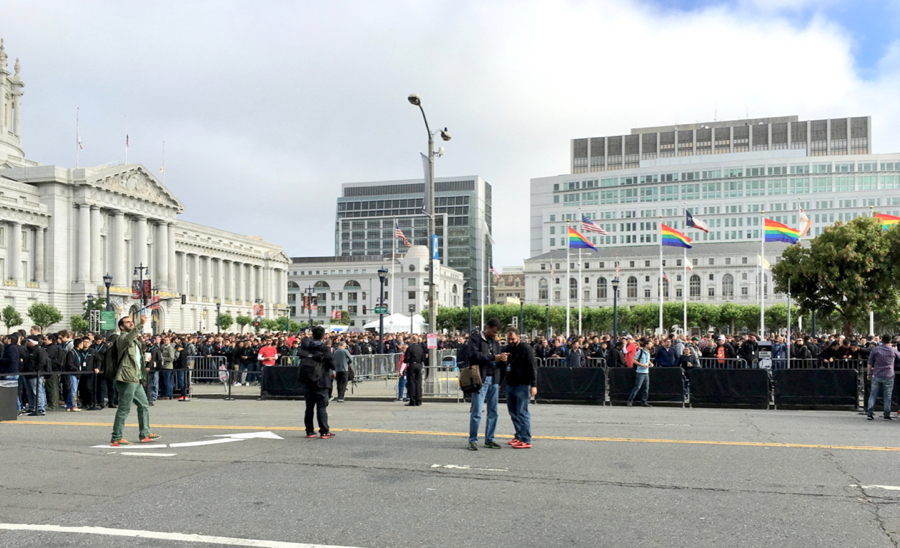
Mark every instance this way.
x=267 y=107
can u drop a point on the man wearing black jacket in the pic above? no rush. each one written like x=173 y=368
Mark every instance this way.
x=481 y=349
x=36 y=362
x=317 y=392
x=521 y=385
x=414 y=357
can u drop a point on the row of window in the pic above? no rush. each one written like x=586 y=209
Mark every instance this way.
x=710 y=261
x=631 y=287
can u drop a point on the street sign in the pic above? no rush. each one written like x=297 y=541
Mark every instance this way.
x=380 y=309
x=434 y=247
x=107 y=320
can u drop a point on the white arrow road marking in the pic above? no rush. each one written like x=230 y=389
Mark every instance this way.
x=207 y=442
x=130 y=447
x=467 y=467
x=251 y=435
x=182 y=537
x=148 y=454
x=885 y=487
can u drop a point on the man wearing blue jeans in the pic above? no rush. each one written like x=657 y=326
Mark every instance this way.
x=521 y=385
x=482 y=349
x=642 y=365
x=880 y=372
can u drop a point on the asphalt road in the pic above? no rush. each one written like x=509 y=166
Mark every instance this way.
x=401 y=476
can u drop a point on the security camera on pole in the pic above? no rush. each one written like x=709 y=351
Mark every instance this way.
x=429 y=205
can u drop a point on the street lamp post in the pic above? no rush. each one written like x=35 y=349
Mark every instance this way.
x=615 y=285
x=218 y=316
x=107 y=281
x=469 y=304
x=547 y=326
x=382 y=274
x=522 y=315
x=432 y=244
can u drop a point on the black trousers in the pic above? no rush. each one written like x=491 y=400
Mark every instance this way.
x=414 y=383
x=106 y=391
x=342 y=377
x=86 y=390
x=316 y=400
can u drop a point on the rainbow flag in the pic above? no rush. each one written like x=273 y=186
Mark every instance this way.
x=576 y=240
x=672 y=237
x=887 y=221
x=777 y=232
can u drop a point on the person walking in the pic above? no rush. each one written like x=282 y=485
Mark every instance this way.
x=880 y=372
x=316 y=396
x=521 y=385
x=482 y=349
x=415 y=363
x=342 y=361
x=642 y=367
x=130 y=360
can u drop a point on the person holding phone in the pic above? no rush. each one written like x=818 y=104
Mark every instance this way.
x=521 y=385
x=130 y=360
x=642 y=365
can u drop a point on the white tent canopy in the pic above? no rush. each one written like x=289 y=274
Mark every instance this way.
x=395 y=323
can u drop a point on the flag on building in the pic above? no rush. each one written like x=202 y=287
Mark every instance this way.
x=887 y=221
x=689 y=266
x=666 y=277
x=80 y=146
x=694 y=222
x=617 y=269
x=588 y=225
x=399 y=234
x=777 y=232
x=552 y=272
x=760 y=260
x=494 y=271
x=805 y=224
x=577 y=241
x=673 y=238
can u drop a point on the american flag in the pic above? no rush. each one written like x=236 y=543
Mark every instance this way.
x=494 y=272
x=588 y=225
x=689 y=266
x=552 y=272
x=665 y=277
x=617 y=269
x=399 y=234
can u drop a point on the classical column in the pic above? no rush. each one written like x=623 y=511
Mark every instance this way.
x=173 y=273
x=252 y=295
x=238 y=281
x=118 y=260
x=39 y=254
x=228 y=267
x=15 y=251
x=162 y=256
x=84 y=243
x=140 y=240
x=220 y=279
x=96 y=246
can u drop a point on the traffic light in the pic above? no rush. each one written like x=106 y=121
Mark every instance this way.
x=364 y=309
x=183 y=299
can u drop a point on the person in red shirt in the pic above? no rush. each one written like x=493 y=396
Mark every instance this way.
x=630 y=351
x=268 y=354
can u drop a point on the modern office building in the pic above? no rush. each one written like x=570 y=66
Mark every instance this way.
x=367 y=213
x=729 y=174
x=351 y=283
x=63 y=230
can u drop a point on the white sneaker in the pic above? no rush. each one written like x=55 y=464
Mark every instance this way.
x=246 y=384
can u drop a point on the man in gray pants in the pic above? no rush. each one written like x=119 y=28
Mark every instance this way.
x=342 y=361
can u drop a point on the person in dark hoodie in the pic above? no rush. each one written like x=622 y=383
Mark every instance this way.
x=38 y=362
x=317 y=392
x=482 y=349
x=521 y=385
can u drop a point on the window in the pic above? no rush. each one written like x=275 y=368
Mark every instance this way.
x=632 y=287
x=412 y=295
x=712 y=277
x=712 y=261
x=573 y=288
x=695 y=287
x=711 y=291
x=601 y=289
x=728 y=286
x=411 y=282
x=646 y=264
x=745 y=291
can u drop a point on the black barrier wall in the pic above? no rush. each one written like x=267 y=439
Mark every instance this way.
x=283 y=381
x=816 y=387
x=572 y=383
x=729 y=386
x=666 y=384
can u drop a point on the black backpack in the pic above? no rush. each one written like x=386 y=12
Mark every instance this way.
x=111 y=363
x=311 y=366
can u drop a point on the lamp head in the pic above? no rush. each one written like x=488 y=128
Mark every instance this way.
x=382 y=273
x=615 y=282
x=414 y=99
x=445 y=135
x=107 y=280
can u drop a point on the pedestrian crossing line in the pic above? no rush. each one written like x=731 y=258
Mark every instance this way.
x=465 y=435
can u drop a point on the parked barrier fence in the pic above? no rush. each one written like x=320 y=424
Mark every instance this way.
x=441 y=376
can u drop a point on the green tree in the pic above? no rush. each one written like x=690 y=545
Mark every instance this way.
x=10 y=317
x=79 y=324
x=44 y=315
x=225 y=321
x=847 y=270
x=243 y=321
x=729 y=316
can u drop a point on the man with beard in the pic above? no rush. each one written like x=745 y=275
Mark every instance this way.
x=521 y=385
x=130 y=359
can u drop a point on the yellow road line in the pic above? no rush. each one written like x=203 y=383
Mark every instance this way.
x=461 y=434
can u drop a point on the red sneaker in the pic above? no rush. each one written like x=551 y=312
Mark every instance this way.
x=512 y=441
x=311 y=435
x=326 y=436
x=150 y=438
x=522 y=445
x=120 y=443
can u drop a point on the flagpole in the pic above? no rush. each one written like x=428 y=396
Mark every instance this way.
x=762 y=280
x=164 y=164
x=126 y=139
x=660 y=278
x=484 y=281
x=578 y=285
x=871 y=312
x=683 y=292
x=788 y=338
x=77 y=137
x=393 y=262
x=568 y=279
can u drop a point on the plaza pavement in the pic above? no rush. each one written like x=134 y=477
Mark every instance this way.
x=398 y=476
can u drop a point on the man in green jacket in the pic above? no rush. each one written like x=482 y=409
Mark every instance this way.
x=130 y=357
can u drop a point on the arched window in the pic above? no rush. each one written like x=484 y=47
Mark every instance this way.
x=573 y=288
x=322 y=285
x=695 y=286
x=293 y=286
x=601 y=289
x=632 y=287
x=352 y=285
x=542 y=288
x=728 y=286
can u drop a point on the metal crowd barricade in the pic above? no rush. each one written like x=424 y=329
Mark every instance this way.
x=375 y=366
x=725 y=363
x=554 y=362
x=441 y=375
x=289 y=361
x=209 y=368
x=596 y=362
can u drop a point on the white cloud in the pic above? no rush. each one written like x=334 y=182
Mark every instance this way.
x=266 y=108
